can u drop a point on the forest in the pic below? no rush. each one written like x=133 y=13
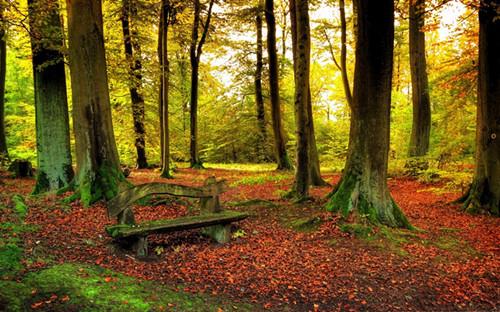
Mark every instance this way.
x=259 y=155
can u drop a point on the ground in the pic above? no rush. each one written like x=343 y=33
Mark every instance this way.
x=285 y=257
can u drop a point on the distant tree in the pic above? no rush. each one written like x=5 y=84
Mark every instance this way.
x=165 y=12
x=420 y=134
x=98 y=168
x=195 y=55
x=3 y=69
x=484 y=193
x=299 y=12
x=259 y=98
x=313 y=162
x=133 y=57
x=52 y=121
x=279 y=138
x=363 y=190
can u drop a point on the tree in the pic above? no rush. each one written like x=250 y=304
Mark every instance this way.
x=420 y=134
x=164 y=87
x=259 y=98
x=362 y=191
x=133 y=56
x=98 y=167
x=313 y=162
x=4 y=154
x=279 y=137
x=299 y=13
x=195 y=55
x=484 y=193
x=52 y=121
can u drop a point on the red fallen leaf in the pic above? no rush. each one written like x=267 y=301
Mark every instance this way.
x=352 y=296
x=363 y=302
x=107 y=279
x=53 y=297
x=37 y=305
x=316 y=307
x=65 y=298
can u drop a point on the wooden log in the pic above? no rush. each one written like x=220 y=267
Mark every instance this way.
x=210 y=204
x=165 y=226
x=128 y=197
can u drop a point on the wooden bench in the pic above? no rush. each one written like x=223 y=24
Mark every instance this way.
x=214 y=221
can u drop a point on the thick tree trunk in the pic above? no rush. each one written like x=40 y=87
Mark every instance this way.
x=299 y=12
x=259 y=98
x=3 y=70
x=314 y=166
x=279 y=137
x=484 y=194
x=98 y=167
x=363 y=191
x=164 y=88
x=419 y=141
x=52 y=122
x=129 y=14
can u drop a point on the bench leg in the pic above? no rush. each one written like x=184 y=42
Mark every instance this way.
x=141 y=246
x=220 y=233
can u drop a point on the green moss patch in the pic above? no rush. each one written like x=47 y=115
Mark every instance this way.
x=307 y=224
x=72 y=287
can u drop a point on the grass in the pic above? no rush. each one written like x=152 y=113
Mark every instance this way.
x=260 y=179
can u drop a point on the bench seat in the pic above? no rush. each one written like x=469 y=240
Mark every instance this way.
x=172 y=225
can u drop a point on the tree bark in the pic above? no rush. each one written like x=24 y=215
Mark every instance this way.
x=129 y=15
x=299 y=13
x=259 y=98
x=195 y=55
x=4 y=154
x=55 y=169
x=314 y=166
x=363 y=192
x=343 y=53
x=98 y=167
x=279 y=137
x=484 y=194
x=164 y=88
x=419 y=141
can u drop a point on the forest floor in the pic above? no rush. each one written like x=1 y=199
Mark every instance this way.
x=284 y=257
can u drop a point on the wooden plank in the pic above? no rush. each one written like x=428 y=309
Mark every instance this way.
x=130 y=196
x=184 y=223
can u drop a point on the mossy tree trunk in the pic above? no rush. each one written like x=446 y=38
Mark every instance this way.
x=259 y=98
x=52 y=122
x=4 y=154
x=282 y=158
x=195 y=55
x=421 y=127
x=314 y=166
x=363 y=192
x=164 y=88
x=98 y=167
x=133 y=56
x=484 y=194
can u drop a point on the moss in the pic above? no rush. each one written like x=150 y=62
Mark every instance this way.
x=358 y=230
x=10 y=258
x=104 y=185
x=20 y=206
x=91 y=288
x=42 y=183
x=307 y=224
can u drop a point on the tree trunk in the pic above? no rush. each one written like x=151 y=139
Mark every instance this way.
x=164 y=88
x=195 y=55
x=129 y=14
x=343 y=53
x=299 y=13
x=98 y=167
x=314 y=166
x=52 y=122
x=259 y=98
x=419 y=141
x=484 y=194
x=281 y=153
x=3 y=69
x=363 y=191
